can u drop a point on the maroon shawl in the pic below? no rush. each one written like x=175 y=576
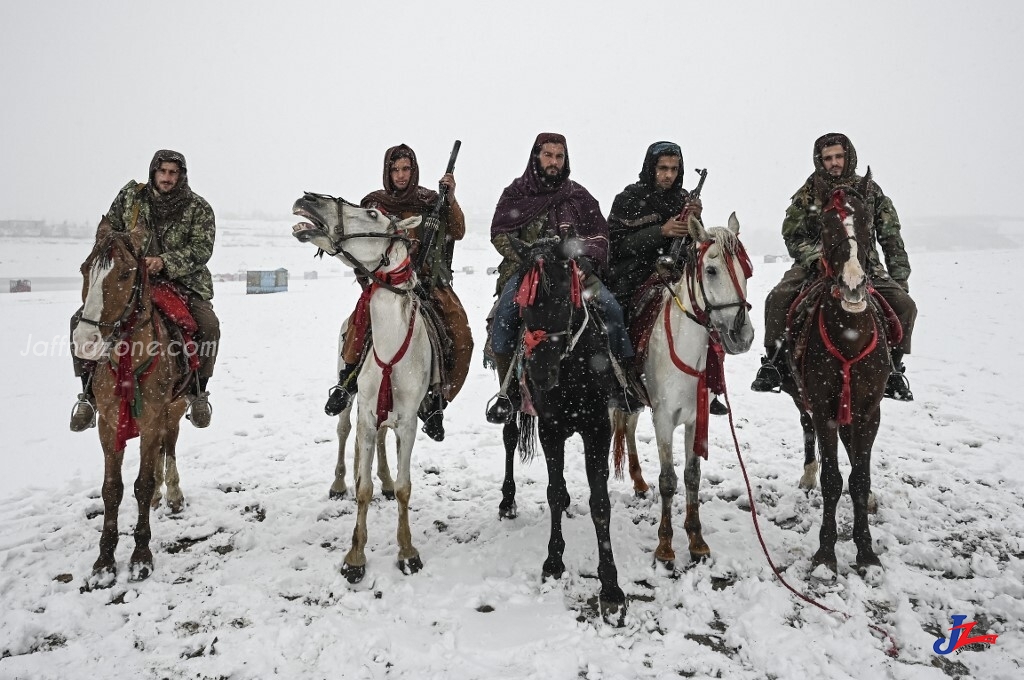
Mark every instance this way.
x=564 y=202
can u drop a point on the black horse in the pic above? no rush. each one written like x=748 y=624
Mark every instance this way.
x=567 y=377
x=839 y=362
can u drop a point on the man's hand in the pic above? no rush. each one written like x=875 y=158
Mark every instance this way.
x=154 y=264
x=675 y=228
x=694 y=208
x=449 y=181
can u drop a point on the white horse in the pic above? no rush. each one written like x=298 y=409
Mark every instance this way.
x=709 y=302
x=396 y=375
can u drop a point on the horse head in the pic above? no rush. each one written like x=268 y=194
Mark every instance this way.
x=550 y=300
x=845 y=239
x=362 y=238
x=719 y=269
x=113 y=277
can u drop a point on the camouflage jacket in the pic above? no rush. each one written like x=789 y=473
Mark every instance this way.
x=185 y=242
x=528 y=233
x=801 y=230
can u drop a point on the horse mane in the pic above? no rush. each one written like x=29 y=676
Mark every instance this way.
x=725 y=238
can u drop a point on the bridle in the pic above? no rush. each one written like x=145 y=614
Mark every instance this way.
x=693 y=273
x=127 y=316
x=526 y=296
x=391 y=234
x=839 y=205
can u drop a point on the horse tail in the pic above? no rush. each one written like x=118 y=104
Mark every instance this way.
x=527 y=437
x=619 y=423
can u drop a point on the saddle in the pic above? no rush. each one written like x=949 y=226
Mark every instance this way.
x=443 y=357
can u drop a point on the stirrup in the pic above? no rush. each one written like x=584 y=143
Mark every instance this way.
x=338 y=399
x=199 y=411
x=499 y=409
x=897 y=387
x=83 y=414
x=768 y=378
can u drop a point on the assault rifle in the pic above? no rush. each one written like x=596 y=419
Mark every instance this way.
x=671 y=261
x=433 y=231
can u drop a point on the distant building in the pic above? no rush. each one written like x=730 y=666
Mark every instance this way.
x=777 y=258
x=309 y=275
x=266 y=281
x=21 y=286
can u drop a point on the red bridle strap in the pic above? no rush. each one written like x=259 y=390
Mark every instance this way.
x=700 y=439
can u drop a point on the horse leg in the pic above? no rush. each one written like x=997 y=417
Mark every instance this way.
x=510 y=437
x=354 y=566
x=664 y=427
x=596 y=443
x=831 y=490
x=158 y=481
x=409 y=561
x=624 y=425
x=810 y=477
x=169 y=463
x=859 y=440
x=141 y=564
x=105 y=565
x=339 y=489
x=558 y=498
x=387 y=484
x=699 y=550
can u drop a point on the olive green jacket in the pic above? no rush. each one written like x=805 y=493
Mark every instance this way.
x=801 y=230
x=185 y=242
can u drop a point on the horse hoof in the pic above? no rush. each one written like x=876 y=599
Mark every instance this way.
x=411 y=565
x=388 y=494
x=699 y=556
x=176 y=508
x=640 y=493
x=337 y=495
x=140 y=571
x=552 y=571
x=613 y=612
x=666 y=566
x=508 y=512
x=353 y=574
x=102 y=577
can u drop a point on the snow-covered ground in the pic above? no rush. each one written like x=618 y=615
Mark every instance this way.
x=247 y=582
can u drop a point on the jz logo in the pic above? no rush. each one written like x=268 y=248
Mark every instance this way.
x=960 y=635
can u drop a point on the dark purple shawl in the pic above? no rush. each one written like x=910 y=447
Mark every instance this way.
x=565 y=203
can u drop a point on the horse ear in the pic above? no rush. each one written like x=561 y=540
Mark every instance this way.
x=697 y=231
x=734 y=224
x=865 y=184
x=103 y=229
x=409 y=223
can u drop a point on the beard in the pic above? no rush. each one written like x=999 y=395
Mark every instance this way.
x=551 y=175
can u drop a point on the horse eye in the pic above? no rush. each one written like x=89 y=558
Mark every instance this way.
x=373 y=214
x=123 y=276
x=711 y=271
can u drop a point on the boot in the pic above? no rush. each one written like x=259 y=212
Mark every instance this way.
x=897 y=386
x=339 y=396
x=769 y=376
x=432 y=414
x=717 y=408
x=83 y=414
x=199 y=410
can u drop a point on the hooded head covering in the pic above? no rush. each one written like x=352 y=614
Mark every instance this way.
x=413 y=198
x=849 y=169
x=564 y=202
x=654 y=152
x=172 y=203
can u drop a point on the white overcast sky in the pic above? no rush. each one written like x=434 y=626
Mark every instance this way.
x=269 y=98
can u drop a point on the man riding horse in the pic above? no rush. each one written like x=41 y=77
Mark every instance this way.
x=544 y=202
x=183 y=228
x=645 y=219
x=403 y=197
x=835 y=165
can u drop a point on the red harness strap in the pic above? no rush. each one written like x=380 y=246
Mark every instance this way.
x=527 y=293
x=700 y=440
x=385 y=396
x=533 y=338
x=361 y=317
x=845 y=414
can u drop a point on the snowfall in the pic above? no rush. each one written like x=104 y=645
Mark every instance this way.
x=247 y=581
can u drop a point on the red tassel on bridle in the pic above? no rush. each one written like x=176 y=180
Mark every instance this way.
x=533 y=338
x=527 y=293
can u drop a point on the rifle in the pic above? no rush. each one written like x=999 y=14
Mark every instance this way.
x=433 y=230
x=670 y=261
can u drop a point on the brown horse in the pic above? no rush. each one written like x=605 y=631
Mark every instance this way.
x=137 y=387
x=839 y=366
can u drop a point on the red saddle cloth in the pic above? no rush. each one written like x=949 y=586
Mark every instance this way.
x=174 y=306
